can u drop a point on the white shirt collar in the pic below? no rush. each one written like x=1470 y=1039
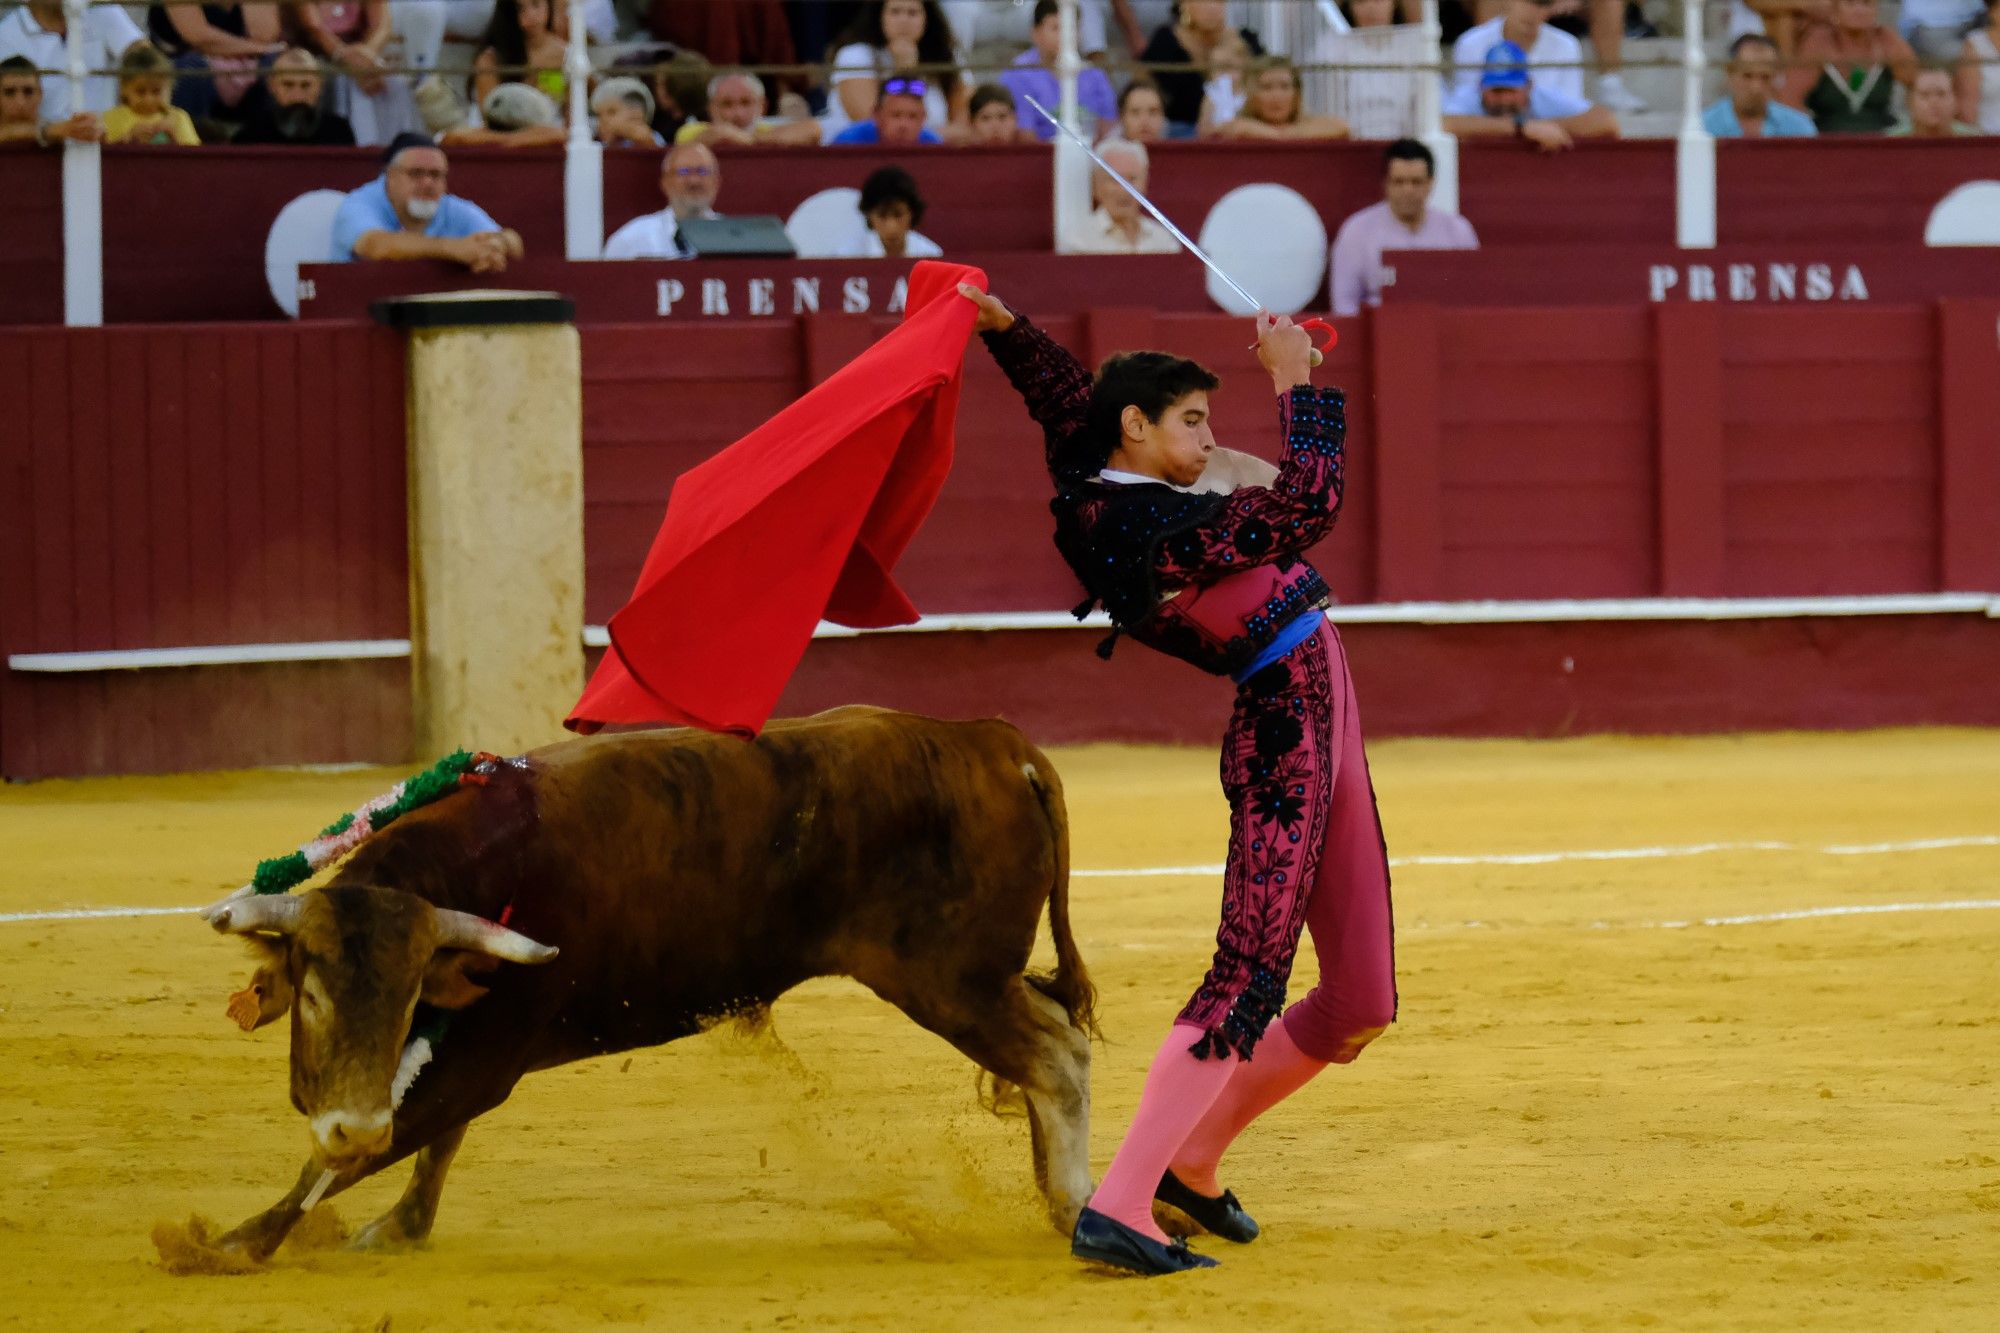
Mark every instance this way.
x=1117 y=478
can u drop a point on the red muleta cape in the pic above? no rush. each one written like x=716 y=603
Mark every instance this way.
x=797 y=522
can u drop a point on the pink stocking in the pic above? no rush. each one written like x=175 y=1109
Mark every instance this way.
x=1179 y=1089
x=1277 y=1070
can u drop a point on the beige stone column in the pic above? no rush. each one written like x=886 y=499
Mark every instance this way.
x=495 y=407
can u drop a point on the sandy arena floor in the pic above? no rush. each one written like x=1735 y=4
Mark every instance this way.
x=1585 y=1118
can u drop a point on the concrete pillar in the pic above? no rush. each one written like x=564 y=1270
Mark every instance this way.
x=496 y=517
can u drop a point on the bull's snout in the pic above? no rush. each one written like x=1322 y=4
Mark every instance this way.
x=346 y=1135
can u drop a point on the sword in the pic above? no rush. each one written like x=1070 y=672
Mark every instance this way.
x=1172 y=230
x=1144 y=203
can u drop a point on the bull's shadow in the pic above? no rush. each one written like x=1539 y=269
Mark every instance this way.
x=650 y=883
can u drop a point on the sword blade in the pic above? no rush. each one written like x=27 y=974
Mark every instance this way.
x=1145 y=203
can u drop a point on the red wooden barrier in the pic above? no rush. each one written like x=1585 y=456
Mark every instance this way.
x=1850 y=190
x=200 y=485
x=170 y=487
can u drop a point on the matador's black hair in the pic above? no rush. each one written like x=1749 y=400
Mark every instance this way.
x=1149 y=381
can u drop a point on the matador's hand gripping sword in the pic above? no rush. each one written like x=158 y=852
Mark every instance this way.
x=1309 y=325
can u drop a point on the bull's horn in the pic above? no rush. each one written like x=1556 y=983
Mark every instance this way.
x=247 y=912
x=463 y=930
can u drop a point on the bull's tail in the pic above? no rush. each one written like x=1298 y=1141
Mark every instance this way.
x=1069 y=985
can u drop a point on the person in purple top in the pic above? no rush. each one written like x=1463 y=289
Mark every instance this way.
x=1404 y=220
x=1033 y=73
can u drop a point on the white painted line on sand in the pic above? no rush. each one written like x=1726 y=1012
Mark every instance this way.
x=1599 y=854
x=1492 y=859
x=1809 y=913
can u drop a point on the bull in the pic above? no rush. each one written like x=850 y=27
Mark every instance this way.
x=653 y=882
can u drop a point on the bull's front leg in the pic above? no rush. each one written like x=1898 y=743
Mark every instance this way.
x=409 y=1221
x=257 y=1237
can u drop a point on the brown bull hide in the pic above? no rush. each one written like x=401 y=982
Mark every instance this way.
x=686 y=877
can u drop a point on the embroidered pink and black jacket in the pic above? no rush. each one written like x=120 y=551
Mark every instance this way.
x=1151 y=554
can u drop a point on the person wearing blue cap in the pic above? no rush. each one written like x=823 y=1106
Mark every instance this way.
x=1506 y=102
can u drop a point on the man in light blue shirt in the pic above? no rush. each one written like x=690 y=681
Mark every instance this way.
x=405 y=214
x=1749 y=111
x=1507 y=103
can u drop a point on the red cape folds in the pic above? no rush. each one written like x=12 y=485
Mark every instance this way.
x=800 y=520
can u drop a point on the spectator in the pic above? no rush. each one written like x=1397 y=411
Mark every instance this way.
x=993 y=119
x=1033 y=74
x=1979 y=74
x=405 y=214
x=1936 y=29
x=1747 y=111
x=1605 y=22
x=1404 y=220
x=985 y=28
x=1555 y=56
x=891 y=37
x=1227 y=89
x=1933 y=109
x=1199 y=28
x=1142 y=113
x=514 y=115
x=520 y=45
x=146 y=113
x=624 y=111
x=354 y=39
x=736 y=116
x=1783 y=21
x=728 y=32
x=1137 y=17
x=1275 y=107
x=219 y=47
x=39 y=32
x=289 y=111
x=1377 y=90
x=690 y=180
x=893 y=208
x=1507 y=102
x=899 y=117
x=678 y=81
x=1117 y=225
x=1846 y=71
x=21 y=108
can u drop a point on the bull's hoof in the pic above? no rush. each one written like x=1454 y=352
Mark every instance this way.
x=193 y=1247
x=390 y=1233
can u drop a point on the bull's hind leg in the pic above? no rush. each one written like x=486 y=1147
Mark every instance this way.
x=1024 y=1038
x=1059 y=1104
x=409 y=1221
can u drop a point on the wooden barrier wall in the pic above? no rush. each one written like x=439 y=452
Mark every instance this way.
x=166 y=487
x=177 y=486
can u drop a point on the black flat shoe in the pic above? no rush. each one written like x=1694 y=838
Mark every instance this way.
x=1222 y=1217
x=1100 y=1240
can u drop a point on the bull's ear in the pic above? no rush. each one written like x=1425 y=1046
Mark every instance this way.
x=449 y=979
x=269 y=993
